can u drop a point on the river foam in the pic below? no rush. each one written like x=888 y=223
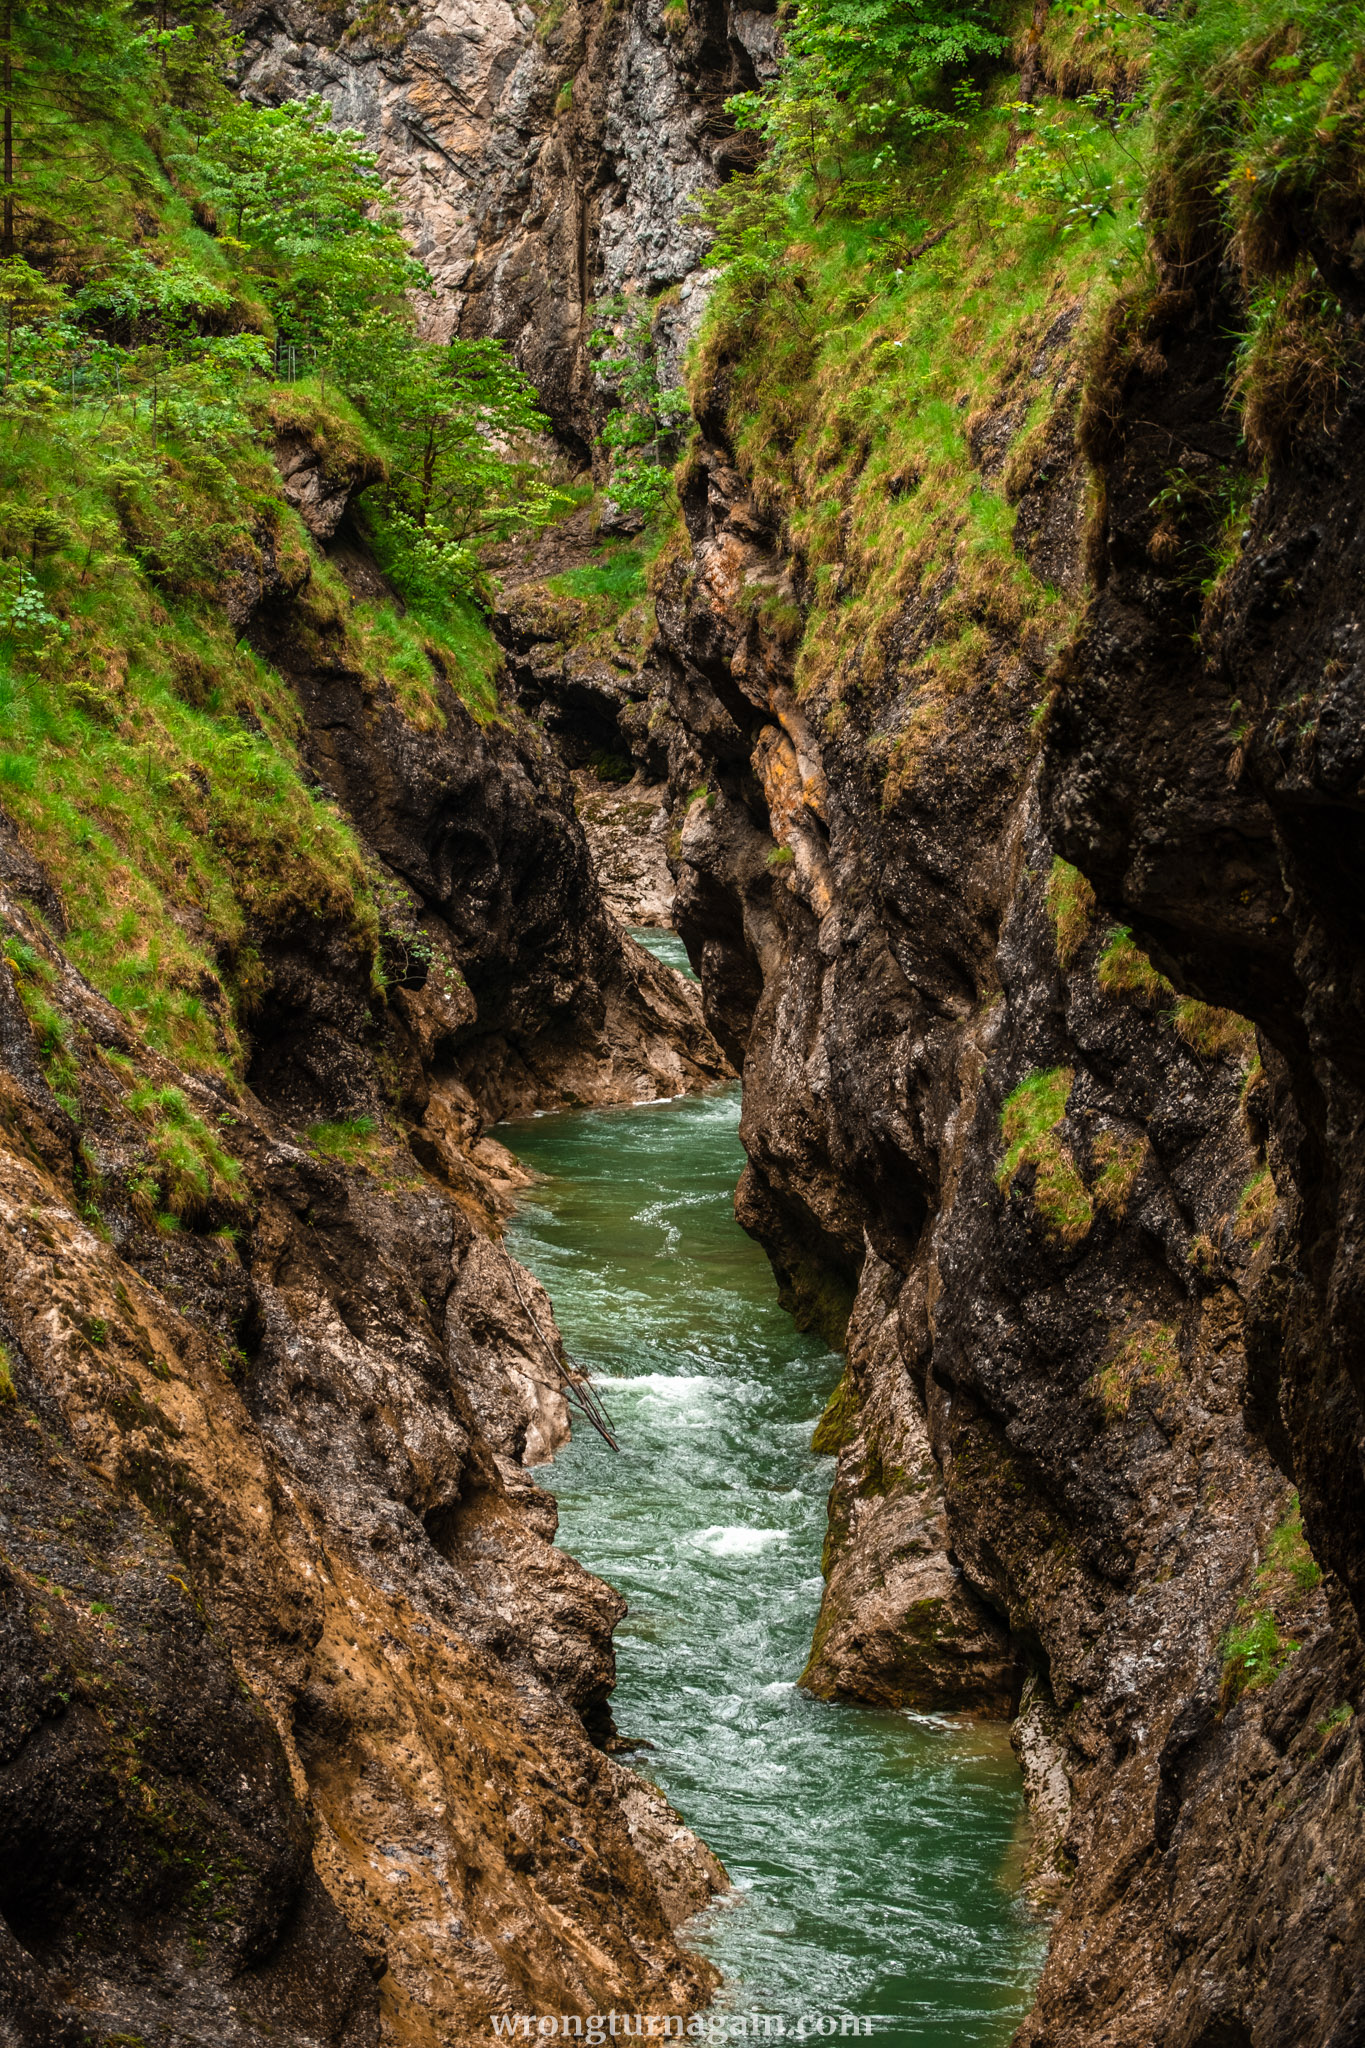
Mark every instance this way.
x=872 y=1850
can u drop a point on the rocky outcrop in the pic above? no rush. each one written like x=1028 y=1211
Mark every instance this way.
x=541 y=161
x=1038 y=1171
x=529 y=996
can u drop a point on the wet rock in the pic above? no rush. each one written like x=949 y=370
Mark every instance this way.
x=297 y=1686
x=1057 y=1487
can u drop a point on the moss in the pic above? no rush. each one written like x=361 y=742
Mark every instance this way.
x=817 y=1298
x=613 y=769
x=1070 y=903
x=7 y=1390
x=878 y=1479
x=1124 y=970
x=839 y=1420
x=1029 y=1123
x=781 y=857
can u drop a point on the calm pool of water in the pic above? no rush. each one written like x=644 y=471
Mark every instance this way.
x=873 y=1851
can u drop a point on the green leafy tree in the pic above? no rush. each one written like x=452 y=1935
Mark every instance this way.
x=458 y=420
x=285 y=180
x=26 y=298
x=304 y=201
x=860 y=71
x=641 y=426
x=68 y=68
x=193 y=45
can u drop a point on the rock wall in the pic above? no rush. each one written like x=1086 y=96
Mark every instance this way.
x=542 y=159
x=977 y=1115
x=306 y=1720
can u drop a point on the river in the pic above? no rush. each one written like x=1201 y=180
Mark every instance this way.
x=874 y=1852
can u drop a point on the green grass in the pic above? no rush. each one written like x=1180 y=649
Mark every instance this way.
x=1256 y=1208
x=1258 y=1646
x=52 y=1036
x=353 y=1140
x=440 y=634
x=1120 y=1160
x=1147 y=1355
x=1254 y=1654
x=622 y=577
x=1123 y=969
x=1287 y=1554
x=1217 y=1034
x=854 y=389
x=1070 y=903
x=189 y=1173
x=1029 y=1123
x=153 y=762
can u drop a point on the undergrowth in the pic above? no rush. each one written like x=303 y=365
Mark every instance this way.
x=149 y=757
x=1258 y=1646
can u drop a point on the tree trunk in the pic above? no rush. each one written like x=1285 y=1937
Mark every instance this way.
x=7 y=87
x=1030 y=64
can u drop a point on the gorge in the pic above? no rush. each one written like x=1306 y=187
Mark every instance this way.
x=980 y=703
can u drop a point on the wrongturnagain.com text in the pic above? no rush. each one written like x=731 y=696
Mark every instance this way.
x=600 y=2028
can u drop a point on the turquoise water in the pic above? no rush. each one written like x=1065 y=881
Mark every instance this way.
x=665 y=946
x=873 y=1851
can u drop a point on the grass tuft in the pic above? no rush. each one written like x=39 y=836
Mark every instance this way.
x=1217 y=1034
x=1124 y=970
x=1257 y=1648
x=1070 y=903
x=1029 y=1123
x=352 y=1140
x=1141 y=1357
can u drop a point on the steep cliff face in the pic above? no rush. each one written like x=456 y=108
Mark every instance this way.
x=543 y=159
x=298 y=1690
x=1039 y=1170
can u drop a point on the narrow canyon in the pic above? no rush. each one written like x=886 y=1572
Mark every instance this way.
x=904 y=687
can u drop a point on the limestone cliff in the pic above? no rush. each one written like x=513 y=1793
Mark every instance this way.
x=1098 y=1256
x=1016 y=855
x=543 y=159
